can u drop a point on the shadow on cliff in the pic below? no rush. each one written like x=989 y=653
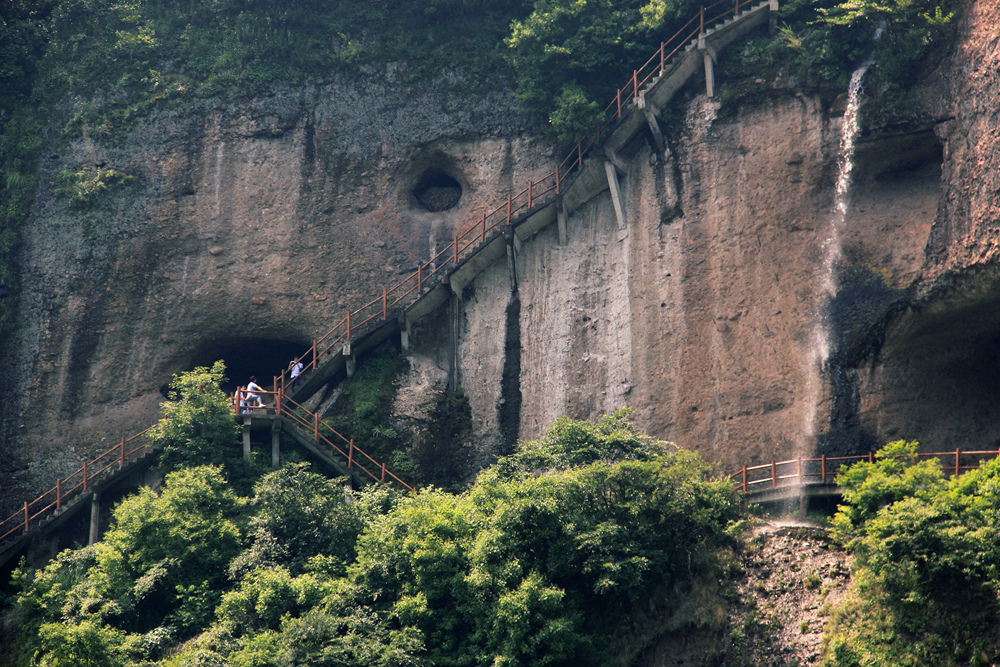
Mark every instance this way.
x=857 y=318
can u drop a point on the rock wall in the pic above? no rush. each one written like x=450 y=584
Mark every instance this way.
x=252 y=226
x=255 y=224
x=701 y=316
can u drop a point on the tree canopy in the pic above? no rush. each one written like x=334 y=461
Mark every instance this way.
x=538 y=563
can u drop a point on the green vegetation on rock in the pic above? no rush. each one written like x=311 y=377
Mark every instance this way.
x=927 y=571
x=540 y=562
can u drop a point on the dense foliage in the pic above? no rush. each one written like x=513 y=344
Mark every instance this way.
x=927 y=577
x=197 y=425
x=539 y=563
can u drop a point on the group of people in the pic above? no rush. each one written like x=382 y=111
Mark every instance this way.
x=251 y=398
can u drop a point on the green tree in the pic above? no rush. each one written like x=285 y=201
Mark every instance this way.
x=298 y=514
x=569 y=56
x=927 y=574
x=197 y=425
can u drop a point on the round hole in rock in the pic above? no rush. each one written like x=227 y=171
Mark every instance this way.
x=436 y=191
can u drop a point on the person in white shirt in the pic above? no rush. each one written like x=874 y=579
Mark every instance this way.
x=296 y=367
x=253 y=395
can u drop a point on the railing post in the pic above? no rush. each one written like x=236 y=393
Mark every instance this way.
x=744 y=479
x=383 y=473
x=59 y=494
x=454 y=251
x=530 y=184
x=774 y=474
x=385 y=300
x=315 y=426
x=871 y=457
x=800 y=471
x=314 y=354
x=482 y=235
x=279 y=396
x=420 y=278
x=84 y=475
x=508 y=208
x=121 y=462
x=27 y=516
x=579 y=154
x=702 y=28
x=663 y=49
x=635 y=84
x=956 y=461
x=618 y=103
x=822 y=467
x=557 y=192
x=348 y=325
x=350 y=455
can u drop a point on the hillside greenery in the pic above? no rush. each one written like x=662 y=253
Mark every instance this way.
x=927 y=564
x=539 y=562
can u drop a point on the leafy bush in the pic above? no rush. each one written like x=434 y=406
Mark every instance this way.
x=539 y=563
x=160 y=568
x=83 y=189
x=568 y=56
x=927 y=564
x=197 y=425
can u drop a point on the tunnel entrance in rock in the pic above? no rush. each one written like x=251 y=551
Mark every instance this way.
x=437 y=191
x=940 y=379
x=263 y=358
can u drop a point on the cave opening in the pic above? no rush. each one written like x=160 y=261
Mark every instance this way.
x=437 y=191
x=259 y=357
x=940 y=379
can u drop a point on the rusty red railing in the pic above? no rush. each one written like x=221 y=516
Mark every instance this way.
x=68 y=488
x=823 y=470
x=310 y=423
x=534 y=194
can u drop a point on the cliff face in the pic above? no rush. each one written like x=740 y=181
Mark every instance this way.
x=702 y=315
x=253 y=225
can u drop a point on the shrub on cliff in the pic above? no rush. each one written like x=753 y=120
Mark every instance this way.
x=927 y=550
x=197 y=425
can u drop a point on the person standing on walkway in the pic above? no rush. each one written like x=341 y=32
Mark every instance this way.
x=296 y=366
x=253 y=392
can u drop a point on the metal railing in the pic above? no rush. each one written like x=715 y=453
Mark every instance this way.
x=70 y=488
x=309 y=423
x=536 y=193
x=823 y=470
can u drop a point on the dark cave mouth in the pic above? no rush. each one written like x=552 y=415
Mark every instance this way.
x=258 y=357
x=940 y=377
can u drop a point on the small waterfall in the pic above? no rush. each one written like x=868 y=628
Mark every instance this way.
x=819 y=339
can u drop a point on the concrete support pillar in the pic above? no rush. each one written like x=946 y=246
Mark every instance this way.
x=404 y=333
x=561 y=220
x=95 y=519
x=616 y=195
x=455 y=308
x=350 y=361
x=652 y=115
x=709 y=76
x=246 y=437
x=511 y=265
x=276 y=444
x=709 y=56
